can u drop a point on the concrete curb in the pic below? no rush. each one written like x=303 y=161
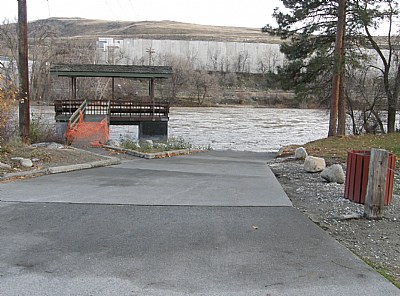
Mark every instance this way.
x=65 y=168
x=164 y=154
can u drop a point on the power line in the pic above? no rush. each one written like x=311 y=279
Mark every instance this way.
x=48 y=7
x=131 y=4
x=112 y=11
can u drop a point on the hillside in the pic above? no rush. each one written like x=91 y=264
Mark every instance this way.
x=85 y=28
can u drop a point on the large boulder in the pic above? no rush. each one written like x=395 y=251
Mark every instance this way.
x=333 y=174
x=300 y=153
x=314 y=164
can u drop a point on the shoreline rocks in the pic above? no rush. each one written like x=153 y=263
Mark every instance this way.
x=314 y=164
x=333 y=174
x=300 y=153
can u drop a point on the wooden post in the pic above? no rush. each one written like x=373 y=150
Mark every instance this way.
x=23 y=69
x=376 y=189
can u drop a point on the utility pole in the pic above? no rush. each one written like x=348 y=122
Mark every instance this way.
x=337 y=69
x=23 y=70
x=150 y=51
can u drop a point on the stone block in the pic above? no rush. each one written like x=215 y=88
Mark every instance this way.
x=314 y=164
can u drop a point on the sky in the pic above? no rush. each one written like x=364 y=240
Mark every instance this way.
x=236 y=13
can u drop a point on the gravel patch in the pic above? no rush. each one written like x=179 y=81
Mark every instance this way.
x=377 y=241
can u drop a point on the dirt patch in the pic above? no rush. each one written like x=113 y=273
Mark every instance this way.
x=43 y=157
x=375 y=241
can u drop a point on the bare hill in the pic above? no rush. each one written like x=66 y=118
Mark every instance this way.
x=78 y=27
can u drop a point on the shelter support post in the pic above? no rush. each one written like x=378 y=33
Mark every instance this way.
x=73 y=81
x=151 y=94
x=153 y=130
x=112 y=88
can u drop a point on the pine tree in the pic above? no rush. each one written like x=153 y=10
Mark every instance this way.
x=309 y=28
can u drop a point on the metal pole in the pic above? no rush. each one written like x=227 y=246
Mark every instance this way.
x=337 y=69
x=23 y=70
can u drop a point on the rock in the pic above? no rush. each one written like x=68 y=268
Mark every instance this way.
x=49 y=145
x=114 y=143
x=55 y=146
x=333 y=173
x=16 y=159
x=314 y=164
x=26 y=162
x=350 y=216
x=5 y=166
x=285 y=151
x=300 y=153
x=39 y=145
x=160 y=145
x=149 y=143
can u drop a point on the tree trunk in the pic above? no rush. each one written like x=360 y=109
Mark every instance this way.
x=391 y=119
x=341 y=129
x=337 y=69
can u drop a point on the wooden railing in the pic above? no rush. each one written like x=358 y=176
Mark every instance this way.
x=117 y=111
x=75 y=116
x=138 y=109
x=66 y=107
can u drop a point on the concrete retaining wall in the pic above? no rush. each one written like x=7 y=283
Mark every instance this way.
x=213 y=55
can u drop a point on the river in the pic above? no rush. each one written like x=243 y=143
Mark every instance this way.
x=235 y=128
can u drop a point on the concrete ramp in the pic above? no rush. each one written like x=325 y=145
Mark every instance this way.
x=205 y=179
x=216 y=224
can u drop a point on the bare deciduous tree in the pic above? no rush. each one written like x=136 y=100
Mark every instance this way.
x=203 y=84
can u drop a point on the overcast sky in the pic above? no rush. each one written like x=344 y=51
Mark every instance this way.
x=238 y=13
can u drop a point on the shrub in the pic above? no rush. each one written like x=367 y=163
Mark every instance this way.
x=8 y=95
x=145 y=147
x=42 y=131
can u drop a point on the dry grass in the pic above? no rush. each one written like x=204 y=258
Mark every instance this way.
x=84 y=28
x=337 y=147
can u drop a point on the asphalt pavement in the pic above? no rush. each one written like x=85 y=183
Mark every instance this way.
x=215 y=223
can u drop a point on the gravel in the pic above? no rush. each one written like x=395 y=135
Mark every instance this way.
x=376 y=241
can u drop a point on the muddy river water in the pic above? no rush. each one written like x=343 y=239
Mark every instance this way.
x=244 y=128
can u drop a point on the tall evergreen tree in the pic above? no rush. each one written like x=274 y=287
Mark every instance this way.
x=309 y=29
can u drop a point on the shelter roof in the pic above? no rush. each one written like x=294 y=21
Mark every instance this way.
x=120 y=71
